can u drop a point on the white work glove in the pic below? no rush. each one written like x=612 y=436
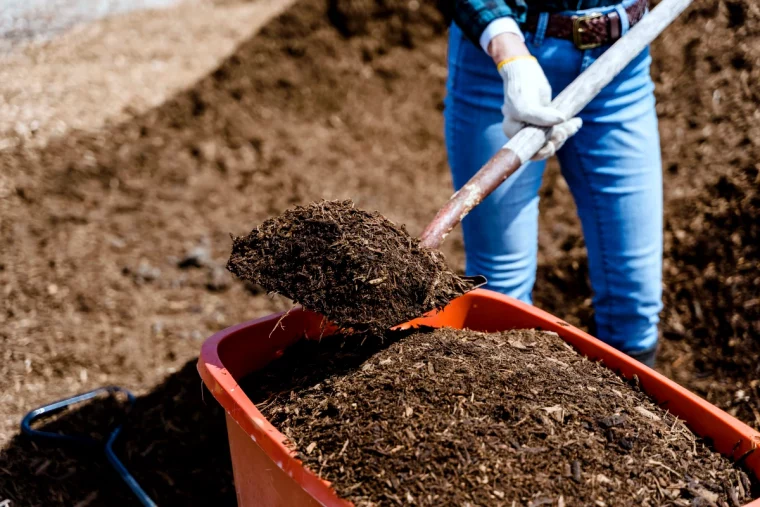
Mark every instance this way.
x=527 y=99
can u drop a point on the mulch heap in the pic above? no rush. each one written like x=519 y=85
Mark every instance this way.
x=357 y=268
x=460 y=417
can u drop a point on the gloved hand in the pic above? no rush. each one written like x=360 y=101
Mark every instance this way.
x=527 y=99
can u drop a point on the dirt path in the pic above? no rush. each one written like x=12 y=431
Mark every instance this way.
x=24 y=21
x=111 y=70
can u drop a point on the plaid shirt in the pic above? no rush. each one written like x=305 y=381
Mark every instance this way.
x=473 y=16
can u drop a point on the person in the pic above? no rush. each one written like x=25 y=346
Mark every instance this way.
x=506 y=58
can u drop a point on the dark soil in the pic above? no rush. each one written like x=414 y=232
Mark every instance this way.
x=451 y=417
x=711 y=142
x=358 y=269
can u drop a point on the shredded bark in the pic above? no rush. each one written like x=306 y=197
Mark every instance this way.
x=359 y=269
x=451 y=417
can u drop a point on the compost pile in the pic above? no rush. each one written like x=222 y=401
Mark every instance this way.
x=358 y=269
x=711 y=144
x=455 y=417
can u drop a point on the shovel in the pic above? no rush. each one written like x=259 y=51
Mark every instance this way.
x=348 y=303
x=526 y=143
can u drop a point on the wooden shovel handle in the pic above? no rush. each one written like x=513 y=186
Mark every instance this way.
x=526 y=143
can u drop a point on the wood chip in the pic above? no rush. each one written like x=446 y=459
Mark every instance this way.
x=576 y=468
x=646 y=413
x=556 y=412
x=557 y=361
x=707 y=495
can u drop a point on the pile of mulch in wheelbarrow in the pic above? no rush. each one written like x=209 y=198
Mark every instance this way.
x=433 y=417
x=357 y=268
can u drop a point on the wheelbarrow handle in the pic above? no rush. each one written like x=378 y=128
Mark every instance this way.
x=57 y=406
x=526 y=143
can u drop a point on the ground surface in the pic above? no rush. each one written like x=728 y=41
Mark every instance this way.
x=24 y=21
x=451 y=417
x=115 y=234
x=112 y=70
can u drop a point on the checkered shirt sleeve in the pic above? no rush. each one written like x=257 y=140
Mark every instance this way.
x=473 y=16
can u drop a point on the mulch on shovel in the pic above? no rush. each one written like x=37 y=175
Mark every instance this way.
x=449 y=417
x=357 y=268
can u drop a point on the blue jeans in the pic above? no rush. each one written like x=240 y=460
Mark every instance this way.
x=612 y=167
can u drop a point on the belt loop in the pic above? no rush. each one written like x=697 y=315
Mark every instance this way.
x=543 y=22
x=625 y=23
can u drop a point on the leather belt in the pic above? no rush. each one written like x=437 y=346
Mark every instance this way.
x=588 y=31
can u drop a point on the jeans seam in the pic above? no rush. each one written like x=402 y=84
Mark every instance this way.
x=595 y=207
x=540 y=33
x=455 y=77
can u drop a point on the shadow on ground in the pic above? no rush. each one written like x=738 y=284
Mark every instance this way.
x=174 y=443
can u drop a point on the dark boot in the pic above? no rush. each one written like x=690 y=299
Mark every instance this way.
x=645 y=356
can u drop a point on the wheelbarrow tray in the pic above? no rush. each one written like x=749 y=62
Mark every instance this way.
x=267 y=472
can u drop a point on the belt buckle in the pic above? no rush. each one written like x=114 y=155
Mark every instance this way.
x=579 y=30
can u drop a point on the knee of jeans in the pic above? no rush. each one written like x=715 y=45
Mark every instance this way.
x=514 y=278
x=630 y=292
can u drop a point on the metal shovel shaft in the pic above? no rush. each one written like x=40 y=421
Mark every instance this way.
x=526 y=143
